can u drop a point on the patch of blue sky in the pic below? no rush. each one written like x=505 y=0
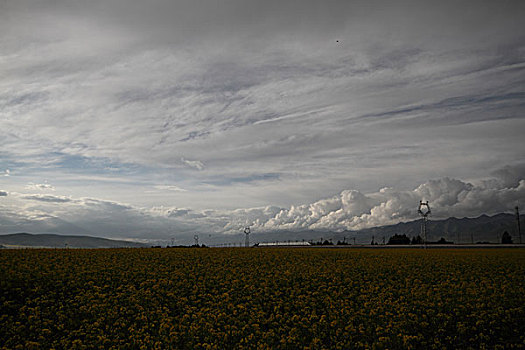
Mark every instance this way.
x=9 y=163
x=95 y=165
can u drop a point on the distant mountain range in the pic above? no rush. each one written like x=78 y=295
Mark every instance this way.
x=59 y=241
x=466 y=230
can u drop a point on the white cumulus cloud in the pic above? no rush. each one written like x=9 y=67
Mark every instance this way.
x=352 y=210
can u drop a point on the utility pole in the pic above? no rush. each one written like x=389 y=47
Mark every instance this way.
x=247 y=240
x=424 y=213
x=518 y=222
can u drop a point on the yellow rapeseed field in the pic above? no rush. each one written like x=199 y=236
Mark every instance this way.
x=242 y=298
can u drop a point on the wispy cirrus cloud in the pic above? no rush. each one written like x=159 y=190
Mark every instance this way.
x=170 y=188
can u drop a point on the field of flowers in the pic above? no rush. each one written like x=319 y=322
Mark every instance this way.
x=248 y=298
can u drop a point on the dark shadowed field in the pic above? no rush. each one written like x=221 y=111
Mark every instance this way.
x=262 y=298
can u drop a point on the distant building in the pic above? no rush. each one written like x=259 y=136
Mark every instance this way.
x=277 y=244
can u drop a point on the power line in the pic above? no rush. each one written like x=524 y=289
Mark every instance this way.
x=518 y=222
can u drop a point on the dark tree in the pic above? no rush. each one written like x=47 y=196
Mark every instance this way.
x=443 y=241
x=399 y=239
x=417 y=240
x=506 y=238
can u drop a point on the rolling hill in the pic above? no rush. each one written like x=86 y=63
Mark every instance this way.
x=61 y=241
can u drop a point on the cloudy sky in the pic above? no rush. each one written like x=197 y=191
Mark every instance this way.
x=154 y=119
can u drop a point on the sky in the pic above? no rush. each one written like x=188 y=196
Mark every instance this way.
x=159 y=119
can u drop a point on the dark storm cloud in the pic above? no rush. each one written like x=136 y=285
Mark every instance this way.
x=510 y=176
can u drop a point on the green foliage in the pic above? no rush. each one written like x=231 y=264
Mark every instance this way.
x=262 y=298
